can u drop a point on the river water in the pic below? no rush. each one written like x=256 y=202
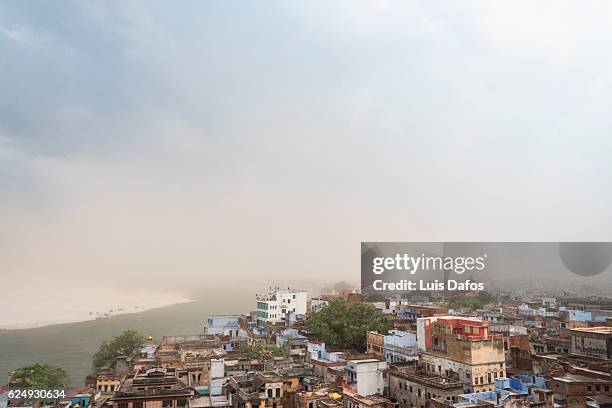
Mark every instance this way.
x=72 y=345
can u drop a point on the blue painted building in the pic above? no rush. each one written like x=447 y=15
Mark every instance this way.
x=400 y=346
x=82 y=400
x=523 y=387
x=224 y=325
x=318 y=351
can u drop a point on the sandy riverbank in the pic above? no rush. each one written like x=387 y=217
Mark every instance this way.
x=24 y=311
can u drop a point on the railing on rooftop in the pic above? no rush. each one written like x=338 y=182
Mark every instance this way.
x=151 y=392
x=245 y=395
x=159 y=380
x=426 y=378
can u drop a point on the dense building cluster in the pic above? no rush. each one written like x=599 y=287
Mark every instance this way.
x=519 y=350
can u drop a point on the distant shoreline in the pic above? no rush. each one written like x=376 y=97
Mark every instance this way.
x=69 y=312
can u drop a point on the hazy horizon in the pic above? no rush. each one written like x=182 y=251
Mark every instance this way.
x=157 y=145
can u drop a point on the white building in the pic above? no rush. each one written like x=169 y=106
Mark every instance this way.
x=400 y=346
x=317 y=304
x=225 y=325
x=279 y=306
x=366 y=376
x=388 y=306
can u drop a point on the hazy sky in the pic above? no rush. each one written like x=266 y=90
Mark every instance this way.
x=220 y=141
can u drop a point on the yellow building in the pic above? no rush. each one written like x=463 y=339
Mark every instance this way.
x=375 y=343
x=107 y=382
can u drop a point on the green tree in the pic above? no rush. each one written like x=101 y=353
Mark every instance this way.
x=374 y=298
x=262 y=350
x=472 y=302
x=126 y=344
x=41 y=376
x=253 y=351
x=341 y=325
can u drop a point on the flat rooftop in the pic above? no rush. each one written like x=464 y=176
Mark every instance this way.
x=598 y=330
x=367 y=399
x=420 y=306
x=417 y=375
x=468 y=404
x=365 y=360
x=576 y=378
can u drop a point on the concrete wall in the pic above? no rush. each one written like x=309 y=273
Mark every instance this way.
x=411 y=394
x=592 y=344
x=368 y=375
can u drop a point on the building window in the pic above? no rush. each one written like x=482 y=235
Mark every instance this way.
x=166 y=403
x=137 y=404
x=278 y=392
x=269 y=392
x=123 y=405
x=181 y=403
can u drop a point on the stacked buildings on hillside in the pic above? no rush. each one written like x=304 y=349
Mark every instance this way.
x=522 y=350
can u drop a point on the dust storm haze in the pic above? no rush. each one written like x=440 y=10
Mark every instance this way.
x=205 y=145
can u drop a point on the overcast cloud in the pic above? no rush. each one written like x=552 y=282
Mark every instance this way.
x=207 y=140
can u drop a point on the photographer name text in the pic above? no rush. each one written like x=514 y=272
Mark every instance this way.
x=423 y=285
